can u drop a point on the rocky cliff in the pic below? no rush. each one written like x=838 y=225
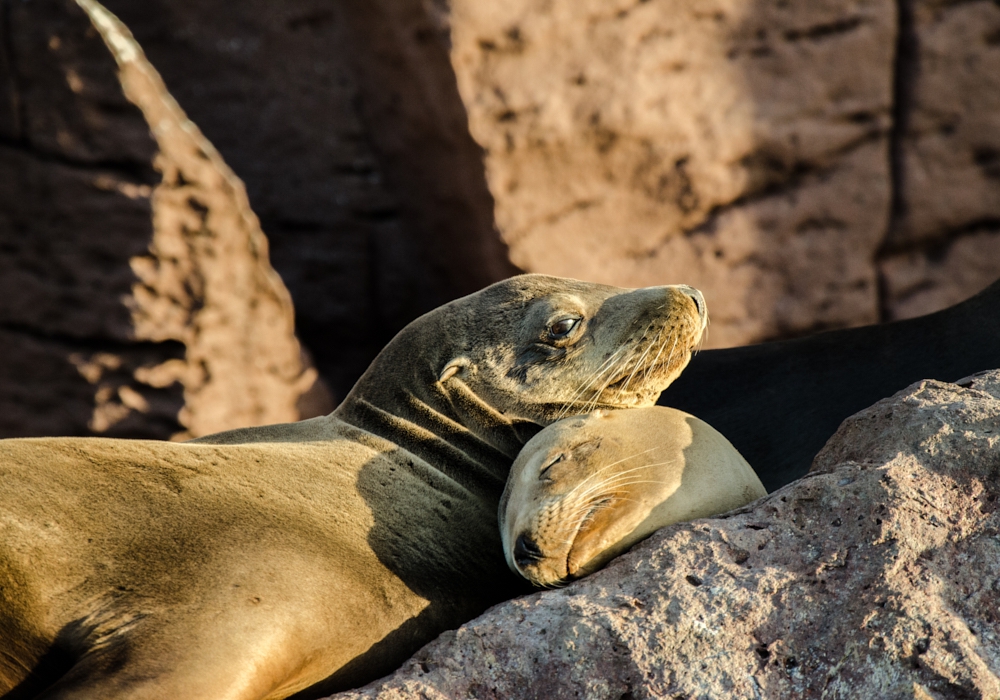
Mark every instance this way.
x=808 y=165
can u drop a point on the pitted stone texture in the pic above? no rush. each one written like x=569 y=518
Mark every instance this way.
x=877 y=575
x=709 y=142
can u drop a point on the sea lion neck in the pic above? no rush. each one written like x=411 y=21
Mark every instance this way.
x=401 y=399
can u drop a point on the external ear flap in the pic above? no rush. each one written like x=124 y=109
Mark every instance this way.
x=585 y=449
x=452 y=368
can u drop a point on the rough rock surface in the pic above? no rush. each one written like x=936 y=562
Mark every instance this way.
x=136 y=298
x=741 y=146
x=345 y=122
x=808 y=165
x=944 y=243
x=876 y=576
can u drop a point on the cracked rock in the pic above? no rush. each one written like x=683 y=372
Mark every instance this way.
x=741 y=147
x=945 y=242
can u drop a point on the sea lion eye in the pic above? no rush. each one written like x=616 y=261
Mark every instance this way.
x=563 y=327
x=545 y=470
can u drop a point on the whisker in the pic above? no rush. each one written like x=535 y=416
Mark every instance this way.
x=649 y=367
x=638 y=364
x=608 y=466
x=606 y=366
x=611 y=377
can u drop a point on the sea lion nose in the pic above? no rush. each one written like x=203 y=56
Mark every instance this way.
x=697 y=297
x=526 y=550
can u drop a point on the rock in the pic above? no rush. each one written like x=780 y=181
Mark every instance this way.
x=878 y=575
x=948 y=170
x=785 y=158
x=923 y=279
x=741 y=147
x=355 y=150
x=136 y=298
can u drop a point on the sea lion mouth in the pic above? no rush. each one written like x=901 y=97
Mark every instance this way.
x=576 y=563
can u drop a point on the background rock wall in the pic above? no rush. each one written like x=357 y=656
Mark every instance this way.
x=944 y=241
x=809 y=165
x=136 y=297
x=345 y=122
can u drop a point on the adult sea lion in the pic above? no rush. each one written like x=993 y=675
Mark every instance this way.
x=779 y=402
x=309 y=557
x=587 y=488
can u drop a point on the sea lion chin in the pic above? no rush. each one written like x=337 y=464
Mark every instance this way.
x=587 y=488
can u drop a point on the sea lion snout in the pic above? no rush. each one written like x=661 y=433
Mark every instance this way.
x=526 y=551
x=699 y=301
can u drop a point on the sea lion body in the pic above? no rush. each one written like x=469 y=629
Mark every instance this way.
x=317 y=555
x=587 y=488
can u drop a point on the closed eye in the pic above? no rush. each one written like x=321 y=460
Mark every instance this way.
x=545 y=470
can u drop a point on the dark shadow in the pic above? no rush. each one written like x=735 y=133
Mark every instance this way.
x=355 y=150
x=52 y=666
x=382 y=659
x=76 y=170
x=441 y=538
x=778 y=403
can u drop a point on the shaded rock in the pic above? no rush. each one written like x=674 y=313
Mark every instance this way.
x=878 y=575
x=948 y=157
x=345 y=122
x=927 y=278
x=136 y=297
x=738 y=147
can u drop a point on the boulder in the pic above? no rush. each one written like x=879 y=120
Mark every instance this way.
x=876 y=576
x=136 y=296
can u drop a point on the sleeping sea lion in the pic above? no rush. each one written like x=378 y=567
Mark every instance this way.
x=313 y=556
x=587 y=488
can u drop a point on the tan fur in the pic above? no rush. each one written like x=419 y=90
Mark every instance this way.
x=315 y=555
x=587 y=488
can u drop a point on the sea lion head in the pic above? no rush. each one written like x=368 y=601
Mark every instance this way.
x=586 y=488
x=581 y=492
x=543 y=348
x=467 y=385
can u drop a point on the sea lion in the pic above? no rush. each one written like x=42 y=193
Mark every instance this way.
x=318 y=555
x=587 y=488
x=779 y=402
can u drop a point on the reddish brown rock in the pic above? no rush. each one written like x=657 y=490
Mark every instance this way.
x=946 y=231
x=876 y=576
x=137 y=298
x=926 y=278
x=741 y=147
